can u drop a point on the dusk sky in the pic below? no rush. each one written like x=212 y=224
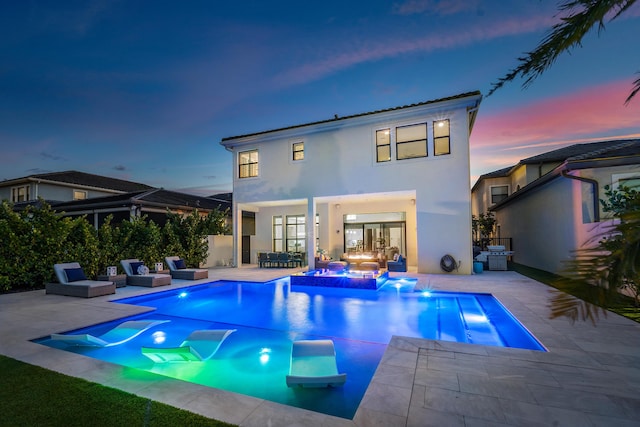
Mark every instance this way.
x=146 y=90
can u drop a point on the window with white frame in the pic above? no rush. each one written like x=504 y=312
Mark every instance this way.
x=79 y=195
x=411 y=141
x=296 y=233
x=248 y=164
x=383 y=145
x=498 y=193
x=20 y=194
x=278 y=234
x=441 y=138
x=297 y=150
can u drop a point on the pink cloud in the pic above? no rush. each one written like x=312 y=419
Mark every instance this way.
x=596 y=113
x=583 y=115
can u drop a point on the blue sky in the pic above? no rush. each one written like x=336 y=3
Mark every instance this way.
x=145 y=90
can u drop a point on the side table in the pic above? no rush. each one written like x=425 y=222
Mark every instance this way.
x=119 y=279
x=154 y=271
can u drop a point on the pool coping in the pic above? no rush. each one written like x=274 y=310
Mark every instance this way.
x=589 y=376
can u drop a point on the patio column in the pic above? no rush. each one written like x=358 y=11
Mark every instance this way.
x=311 y=233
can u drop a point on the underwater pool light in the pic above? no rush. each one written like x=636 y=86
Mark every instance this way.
x=159 y=337
x=265 y=355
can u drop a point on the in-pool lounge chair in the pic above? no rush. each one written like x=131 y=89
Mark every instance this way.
x=313 y=364
x=197 y=347
x=131 y=268
x=179 y=270
x=73 y=282
x=118 y=335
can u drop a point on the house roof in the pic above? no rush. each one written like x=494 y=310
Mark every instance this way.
x=156 y=197
x=594 y=150
x=82 y=179
x=609 y=149
x=336 y=118
x=579 y=156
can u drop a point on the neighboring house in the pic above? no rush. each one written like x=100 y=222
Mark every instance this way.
x=78 y=193
x=65 y=186
x=549 y=203
x=394 y=180
x=152 y=204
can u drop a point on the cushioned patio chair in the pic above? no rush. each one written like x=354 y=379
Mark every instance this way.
x=73 y=282
x=313 y=364
x=398 y=264
x=197 y=347
x=132 y=267
x=272 y=259
x=263 y=261
x=179 y=270
x=284 y=260
x=120 y=334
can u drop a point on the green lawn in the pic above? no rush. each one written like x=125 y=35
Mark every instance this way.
x=622 y=305
x=34 y=396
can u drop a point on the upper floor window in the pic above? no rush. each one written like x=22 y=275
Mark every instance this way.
x=383 y=145
x=79 y=195
x=411 y=141
x=297 y=148
x=441 y=140
x=248 y=164
x=20 y=194
x=499 y=192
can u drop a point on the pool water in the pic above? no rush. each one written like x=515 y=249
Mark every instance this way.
x=268 y=317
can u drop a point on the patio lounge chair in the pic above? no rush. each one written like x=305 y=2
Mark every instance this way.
x=198 y=347
x=180 y=271
x=118 y=335
x=313 y=364
x=72 y=282
x=131 y=266
x=398 y=264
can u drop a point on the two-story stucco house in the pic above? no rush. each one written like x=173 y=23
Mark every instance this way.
x=394 y=180
x=549 y=204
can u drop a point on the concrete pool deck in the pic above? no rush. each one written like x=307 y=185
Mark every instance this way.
x=589 y=377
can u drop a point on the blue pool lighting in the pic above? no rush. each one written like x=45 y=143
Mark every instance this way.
x=268 y=317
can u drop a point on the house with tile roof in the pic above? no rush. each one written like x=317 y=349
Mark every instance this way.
x=65 y=186
x=382 y=182
x=549 y=204
x=78 y=193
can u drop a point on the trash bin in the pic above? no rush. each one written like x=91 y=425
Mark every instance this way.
x=477 y=267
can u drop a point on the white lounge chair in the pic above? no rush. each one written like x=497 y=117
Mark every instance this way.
x=313 y=364
x=179 y=271
x=197 y=347
x=118 y=335
x=72 y=282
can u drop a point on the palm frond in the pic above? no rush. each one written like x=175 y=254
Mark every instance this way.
x=582 y=16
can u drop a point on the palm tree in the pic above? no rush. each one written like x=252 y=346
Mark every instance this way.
x=581 y=17
x=608 y=266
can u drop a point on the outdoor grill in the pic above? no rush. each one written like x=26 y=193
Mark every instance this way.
x=496 y=257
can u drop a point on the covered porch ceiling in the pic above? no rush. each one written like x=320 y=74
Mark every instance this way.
x=344 y=198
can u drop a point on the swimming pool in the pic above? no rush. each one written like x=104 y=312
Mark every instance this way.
x=269 y=316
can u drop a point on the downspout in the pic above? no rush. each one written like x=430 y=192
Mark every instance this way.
x=596 y=192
